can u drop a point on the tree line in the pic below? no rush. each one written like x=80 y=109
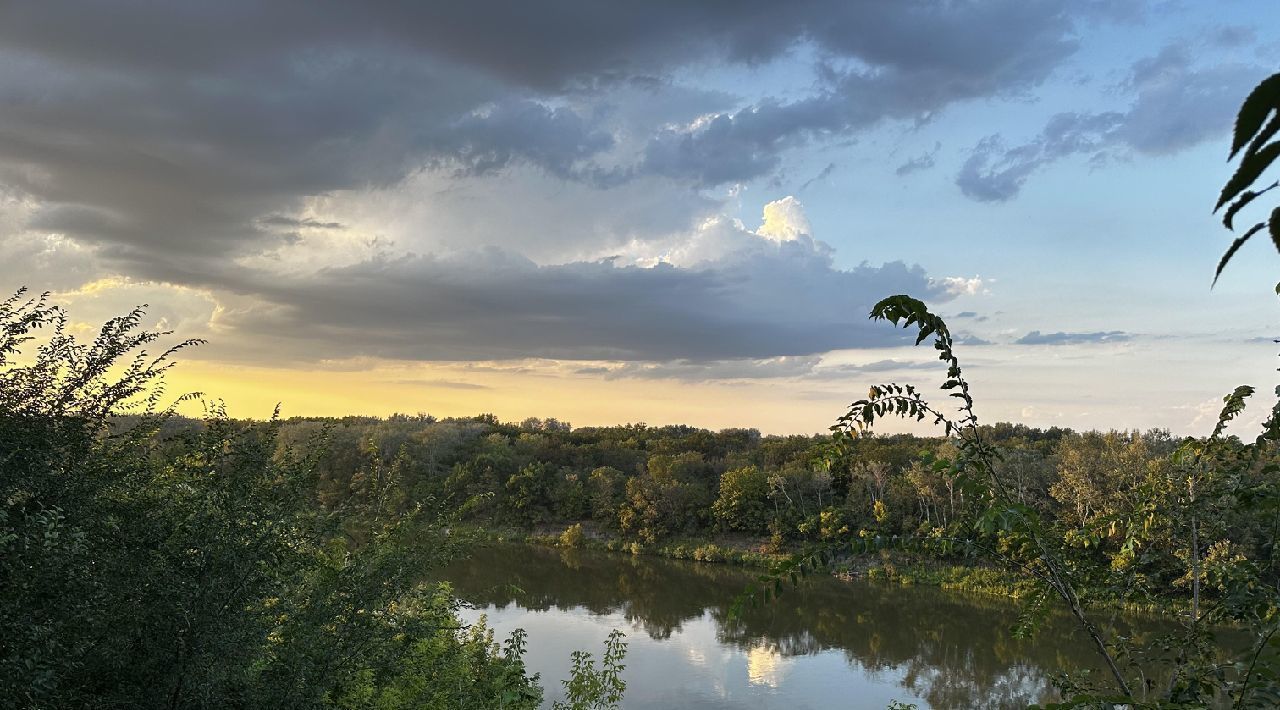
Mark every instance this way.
x=652 y=484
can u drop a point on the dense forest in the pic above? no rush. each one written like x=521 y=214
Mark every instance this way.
x=651 y=484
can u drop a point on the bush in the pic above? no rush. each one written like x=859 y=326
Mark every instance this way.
x=709 y=553
x=198 y=569
x=572 y=536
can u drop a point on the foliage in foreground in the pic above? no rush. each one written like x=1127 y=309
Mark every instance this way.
x=1183 y=513
x=592 y=688
x=197 y=569
x=1257 y=123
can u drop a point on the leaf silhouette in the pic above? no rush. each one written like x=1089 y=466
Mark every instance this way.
x=1245 y=198
x=1250 y=168
x=1273 y=226
x=1264 y=135
x=1235 y=247
x=1264 y=99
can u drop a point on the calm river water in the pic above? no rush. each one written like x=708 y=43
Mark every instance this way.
x=825 y=644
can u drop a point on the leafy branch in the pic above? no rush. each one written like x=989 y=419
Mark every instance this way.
x=1256 y=124
x=589 y=688
x=1003 y=515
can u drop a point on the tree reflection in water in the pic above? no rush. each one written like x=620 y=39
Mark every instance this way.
x=953 y=650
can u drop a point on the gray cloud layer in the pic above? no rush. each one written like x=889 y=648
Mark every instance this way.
x=779 y=301
x=1177 y=105
x=180 y=142
x=1035 y=337
x=161 y=132
x=915 y=59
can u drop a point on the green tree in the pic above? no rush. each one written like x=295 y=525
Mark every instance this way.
x=529 y=492
x=608 y=491
x=571 y=497
x=670 y=496
x=743 y=503
x=1099 y=474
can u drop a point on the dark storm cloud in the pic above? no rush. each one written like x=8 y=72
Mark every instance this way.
x=544 y=45
x=173 y=127
x=786 y=300
x=178 y=137
x=557 y=140
x=185 y=169
x=552 y=44
x=1035 y=337
x=1177 y=105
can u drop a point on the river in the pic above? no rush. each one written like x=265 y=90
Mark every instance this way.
x=825 y=644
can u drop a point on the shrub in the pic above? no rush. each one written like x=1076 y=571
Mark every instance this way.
x=199 y=569
x=572 y=536
x=709 y=553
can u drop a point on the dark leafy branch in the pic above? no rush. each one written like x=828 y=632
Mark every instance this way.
x=1257 y=123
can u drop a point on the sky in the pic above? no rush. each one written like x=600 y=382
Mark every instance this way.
x=660 y=212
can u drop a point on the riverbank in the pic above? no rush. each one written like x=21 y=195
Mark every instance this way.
x=735 y=551
x=887 y=566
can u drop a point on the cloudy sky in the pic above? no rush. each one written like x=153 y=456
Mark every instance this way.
x=647 y=211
